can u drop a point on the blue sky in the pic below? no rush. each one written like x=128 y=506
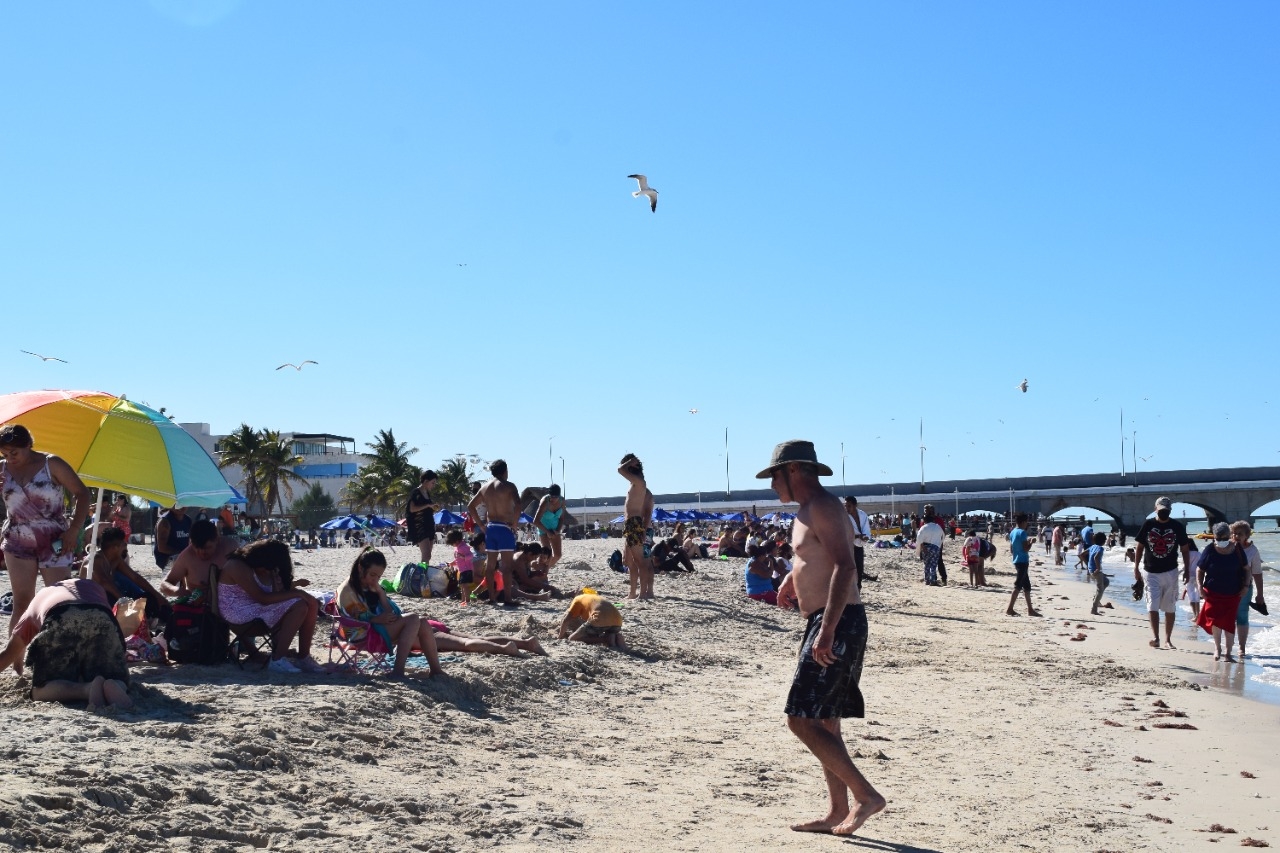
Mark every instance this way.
x=870 y=214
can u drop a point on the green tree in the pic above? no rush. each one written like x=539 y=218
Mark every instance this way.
x=276 y=477
x=314 y=507
x=388 y=479
x=454 y=478
x=244 y=448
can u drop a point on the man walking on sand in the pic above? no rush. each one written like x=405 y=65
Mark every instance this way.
x=1021 y=565
x=822 y=583
x=861 y=536
x=639 y=510
x=1156 y=549
x=929 y=548
x=501 y=501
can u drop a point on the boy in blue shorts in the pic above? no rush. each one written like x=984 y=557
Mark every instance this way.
x=1096 y=550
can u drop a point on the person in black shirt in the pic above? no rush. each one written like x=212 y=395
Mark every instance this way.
x=1155 y=564
x=419 y=516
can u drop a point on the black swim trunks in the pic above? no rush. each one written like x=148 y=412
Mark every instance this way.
x=1023 y=579
x=823 y=692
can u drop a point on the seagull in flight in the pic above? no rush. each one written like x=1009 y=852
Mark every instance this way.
x=297 y=367
x=645 y=190
x=693 y=411
x=45 y=357
x=1022 y=386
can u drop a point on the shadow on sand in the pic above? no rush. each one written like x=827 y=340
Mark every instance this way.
x=886 y=846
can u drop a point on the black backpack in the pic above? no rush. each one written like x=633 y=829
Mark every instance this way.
x=615 y=561
x=194 y=635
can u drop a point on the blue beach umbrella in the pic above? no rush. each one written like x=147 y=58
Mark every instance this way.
x=525 y=519
x=446 y=517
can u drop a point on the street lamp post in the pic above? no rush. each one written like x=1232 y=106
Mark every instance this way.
x=563 y=489
x=842 y=483
x=551 y=468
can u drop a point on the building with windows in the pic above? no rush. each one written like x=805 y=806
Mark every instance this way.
x=328 y=460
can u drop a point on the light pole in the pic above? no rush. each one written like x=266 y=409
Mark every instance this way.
x=727 y=491
x=842 y=483
x=1135 y=457
x=922 y=456
x=562 y=486
x=551 y=469
x=893 y=502
x=957 y=501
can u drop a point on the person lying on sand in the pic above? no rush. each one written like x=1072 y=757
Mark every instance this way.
x=361 y=597
x=593 y=619
x=76 y=649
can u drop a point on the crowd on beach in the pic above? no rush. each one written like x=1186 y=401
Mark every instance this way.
x=217 y=586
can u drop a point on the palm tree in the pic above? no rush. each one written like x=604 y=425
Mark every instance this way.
x=389 y=477
x=244 y=447
x=453 y=484
x=313 y=507
x=362 y=490
x=276 y=477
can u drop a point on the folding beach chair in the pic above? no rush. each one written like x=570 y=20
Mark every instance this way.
x=251 y=639
x=350 y=639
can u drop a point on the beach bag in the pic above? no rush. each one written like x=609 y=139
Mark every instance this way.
x=988 y=549
x=413 y=581
x=194 y=635
x=437 y=581
x=615 y=561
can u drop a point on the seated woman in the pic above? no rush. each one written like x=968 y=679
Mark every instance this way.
x=362 y=597
x=257 y=583
x=692 y=546
x=734 y=543
x=530 y=569
x=111 y=571
x=759 y=576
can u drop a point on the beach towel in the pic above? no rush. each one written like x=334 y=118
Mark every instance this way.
x=1218 y=611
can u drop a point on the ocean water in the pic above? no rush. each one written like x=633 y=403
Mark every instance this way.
x=1258 y=676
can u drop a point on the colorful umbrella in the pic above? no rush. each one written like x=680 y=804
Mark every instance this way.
x=117 y=444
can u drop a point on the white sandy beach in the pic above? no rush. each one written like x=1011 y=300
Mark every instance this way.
x=984 y=732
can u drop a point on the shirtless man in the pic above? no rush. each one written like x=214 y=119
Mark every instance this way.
x=189 y=573
x=501 y=500
x=823 y=581
x=639 y=509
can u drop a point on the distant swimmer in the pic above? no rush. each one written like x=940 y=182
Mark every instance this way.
x=645 y=190
x=297 y=367
x=1022 y=386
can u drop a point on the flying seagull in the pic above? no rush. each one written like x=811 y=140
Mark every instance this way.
x=693 y=411
x=296 y=366
x=44 y=357
x=645 y=190
x=1022 y=386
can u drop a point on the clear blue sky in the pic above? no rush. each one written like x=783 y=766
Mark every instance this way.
x=870 y=214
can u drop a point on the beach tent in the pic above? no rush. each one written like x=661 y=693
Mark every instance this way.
x=525 y=518
x=619 y=520
x=733 y=516
x=660 y=514
x=446 y=517
x=699 y=515
x=685 y=515
x=357 y=522
x=779 y=516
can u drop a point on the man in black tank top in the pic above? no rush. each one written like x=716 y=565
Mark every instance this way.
x=172 y=533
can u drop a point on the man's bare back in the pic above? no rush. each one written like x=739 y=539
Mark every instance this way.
x=501 y=501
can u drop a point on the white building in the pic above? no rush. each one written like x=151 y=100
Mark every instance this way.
x=328 y=460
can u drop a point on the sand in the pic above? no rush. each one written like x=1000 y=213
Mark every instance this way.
x=984 y=732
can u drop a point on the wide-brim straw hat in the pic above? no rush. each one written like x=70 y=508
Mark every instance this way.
x=795 y=450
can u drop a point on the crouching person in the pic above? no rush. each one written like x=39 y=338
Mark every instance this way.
x=593 y=619
x=74 y=646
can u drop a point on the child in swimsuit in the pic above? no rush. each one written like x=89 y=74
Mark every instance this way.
x=464 y=562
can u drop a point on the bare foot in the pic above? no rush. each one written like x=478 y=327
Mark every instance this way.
x=531 y=644
x=1034 y=612
x=823 y=826
x=859 y=816
x=97 y=698
x=1011 y=612
x=1155 y=644
x=116 y=694
x=1168 y=644
x=1217 y=655
x=1230 y=659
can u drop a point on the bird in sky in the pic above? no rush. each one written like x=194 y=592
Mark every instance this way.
x=1022 y=386
x=693 y=411
x=1145 y=458
x=297 y=366
x=462 y=265
x=645 y=190
x=45 y=357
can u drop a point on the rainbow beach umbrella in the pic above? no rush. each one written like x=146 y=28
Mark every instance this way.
x=120 y=445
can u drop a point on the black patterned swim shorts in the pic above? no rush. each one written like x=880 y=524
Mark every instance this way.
x=823 y=692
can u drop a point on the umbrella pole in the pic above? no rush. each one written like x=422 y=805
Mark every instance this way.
x=91 y=543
